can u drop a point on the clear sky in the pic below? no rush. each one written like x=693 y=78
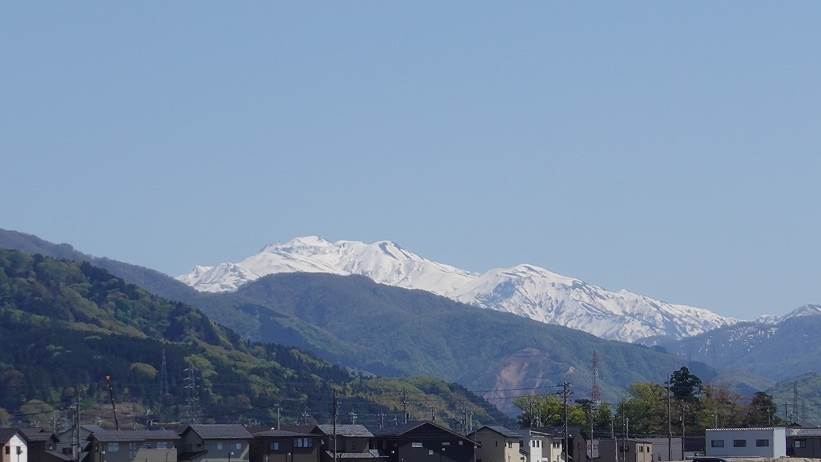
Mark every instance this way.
x=671 y=148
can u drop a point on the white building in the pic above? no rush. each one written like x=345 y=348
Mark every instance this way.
x=746 y=442
x=14 y=445
x=541 y=446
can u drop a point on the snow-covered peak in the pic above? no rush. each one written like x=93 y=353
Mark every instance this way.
x=526 y=290
x=806 y=310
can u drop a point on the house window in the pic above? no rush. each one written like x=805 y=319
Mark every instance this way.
x=800 y=444
x=416 y=445
x=762 y=443
x=112 y=447
x=510 y=444
x=219 y=446
x=238 y=446
x=716 y=443
x=739 y=443
x=303 y=443
x=8 y=450
x=275 y=445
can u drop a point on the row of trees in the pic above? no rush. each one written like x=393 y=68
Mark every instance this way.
x=691 y=404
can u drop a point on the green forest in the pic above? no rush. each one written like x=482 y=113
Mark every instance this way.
x=691 y=406
x=65 y=326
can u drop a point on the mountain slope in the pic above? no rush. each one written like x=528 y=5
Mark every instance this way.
x=774 y=350
x=524 y=290
x=64 y=324
x=809 y=398
x=392 y=331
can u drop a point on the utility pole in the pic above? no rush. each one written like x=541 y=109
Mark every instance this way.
x=626 y=438
x=113 y=406
x=334 y=412
x=405 y=406
x=613 y=435
x=278 y=415
x=381 y=419
x=682 y=429
x=75 y=443
x=592 y=430
x=565 y=397
x=623 y=427
x=669 y=422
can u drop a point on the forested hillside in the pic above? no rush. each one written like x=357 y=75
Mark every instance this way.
x=396 y=332
x=65 y=325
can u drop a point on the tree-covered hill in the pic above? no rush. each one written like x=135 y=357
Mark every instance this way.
x=397 y=332
x=808 y=387
x=65 y=325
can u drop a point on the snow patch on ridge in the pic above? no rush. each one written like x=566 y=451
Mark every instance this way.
x=525 y=290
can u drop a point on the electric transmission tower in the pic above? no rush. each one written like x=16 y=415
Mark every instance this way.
x=192 y=396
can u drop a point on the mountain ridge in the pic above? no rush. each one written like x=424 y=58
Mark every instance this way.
x=525 y=290
x=481 y=349
x=66 y=322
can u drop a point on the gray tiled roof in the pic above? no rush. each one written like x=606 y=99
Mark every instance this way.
x=283 y=433
x=7 y=433
x=221 y=431
x=349 y=430
x=134 y=435
x=35 y=434
x=504 y=431
x=400 y=430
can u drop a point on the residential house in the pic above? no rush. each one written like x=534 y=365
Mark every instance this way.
x=352 y=443
x=621 y=450
x=42 y=446
x=583 y=448
x=499 y=444
x=423 y=441
x=285 y=446
x=132 y=446
x=215 y=443
x=66 y=444
x=15 y=447
x=804 y=442
x=746 y=442
x=693 y=447
x=664 y=449
x=540 y=446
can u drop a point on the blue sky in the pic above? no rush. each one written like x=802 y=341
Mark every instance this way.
x=671 y=148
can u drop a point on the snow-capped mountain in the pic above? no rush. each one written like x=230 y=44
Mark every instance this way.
x=805 y=310
x=765 y=347
x=525 y=290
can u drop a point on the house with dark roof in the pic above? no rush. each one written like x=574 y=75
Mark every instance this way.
x=43 y=445
x=804 y=442
x=423 y=441
x=620 y=450
x=132 y=446
x=285 y=446
x=541 y=446
x=499 y=444
x=215 y=443
x=14 y=446
x=353 y=443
